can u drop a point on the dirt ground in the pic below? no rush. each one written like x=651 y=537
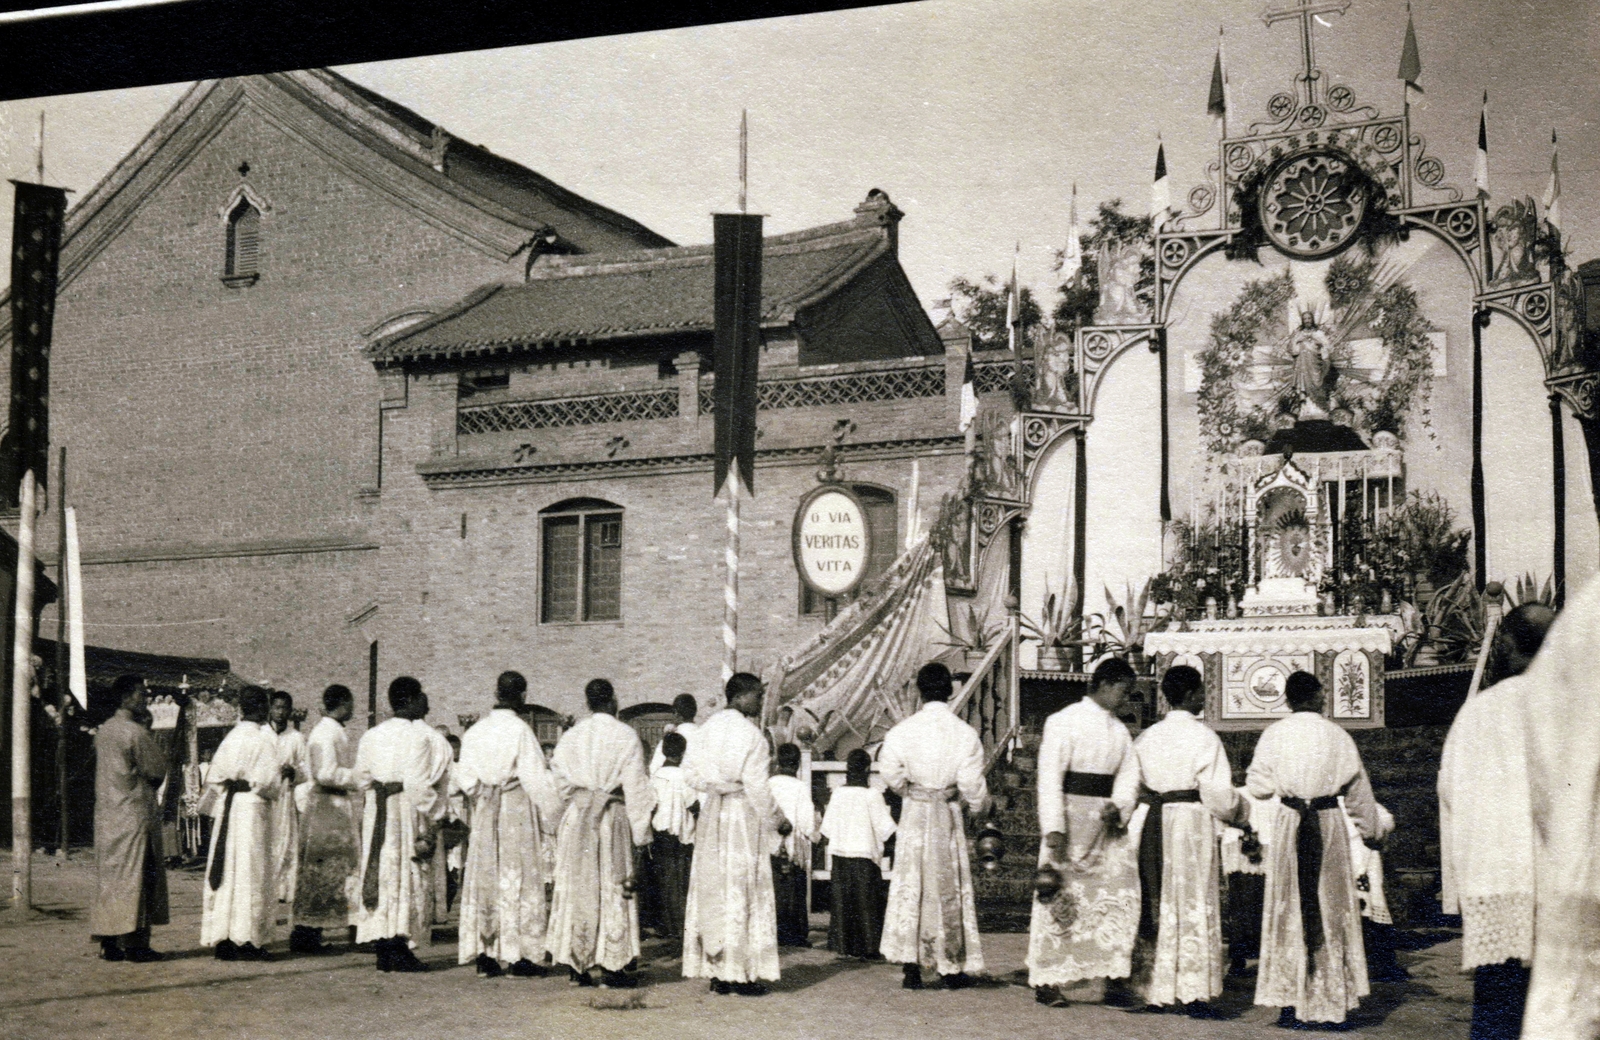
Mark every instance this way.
x=53 y=986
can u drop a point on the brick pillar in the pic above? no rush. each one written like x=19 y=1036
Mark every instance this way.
x=688 y=366
x=438 y=398
x=957 y=340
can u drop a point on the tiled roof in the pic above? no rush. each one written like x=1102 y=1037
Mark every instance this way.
x=645 y=292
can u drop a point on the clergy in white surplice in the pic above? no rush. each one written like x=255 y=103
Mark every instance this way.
x=934 y=762
x=245 y=780
x=1561 y=723
x=599 y=771
x=1088 y=786
x=685 y=707
x=1185 y=779
x=1313 y=963
x=730 y=932
x=502 y=772
x=402 y=776
x=1486 y=832
x=285 y=815
x=330 y=841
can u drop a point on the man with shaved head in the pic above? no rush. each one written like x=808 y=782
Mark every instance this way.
x=1486 y=831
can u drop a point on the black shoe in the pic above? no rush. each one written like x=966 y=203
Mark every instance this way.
x=226 y=951
x=1049 y=996
x=721 y=988
x=617 y=980
x=488 y=967
x=110 y=951
x=579 y=978
x=526 y=969
x=1119 y=997
x=404 y=960
x=913 y=977
x=142 y=955
x=384 y=948
x=960 y=980
x=751 y=989
x=1202 y=1010
x=307 y=940
x=252 y=952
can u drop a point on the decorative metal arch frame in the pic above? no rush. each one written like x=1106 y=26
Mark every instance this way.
x=1040 y=432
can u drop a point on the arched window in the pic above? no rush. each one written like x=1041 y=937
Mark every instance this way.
x=580 y=561
x=883 y=521
x=244 y=241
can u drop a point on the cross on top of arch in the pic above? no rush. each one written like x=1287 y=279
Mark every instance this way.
x=1306 y=12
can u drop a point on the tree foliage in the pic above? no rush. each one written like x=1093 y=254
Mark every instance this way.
x=981 y=307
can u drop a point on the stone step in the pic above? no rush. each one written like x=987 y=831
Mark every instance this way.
x=1003 y=890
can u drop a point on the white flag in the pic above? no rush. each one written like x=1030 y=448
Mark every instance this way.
x=1161 y=189
x=1480 y=172
x=1552 y=193
x=969 y=397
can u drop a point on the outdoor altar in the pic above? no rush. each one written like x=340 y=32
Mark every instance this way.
x=1289 y=514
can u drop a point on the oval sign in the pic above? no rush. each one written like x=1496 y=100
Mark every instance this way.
x=831 y=541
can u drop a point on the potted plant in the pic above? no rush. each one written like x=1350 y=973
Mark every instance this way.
x=1125 y=625
x=1056 y=629
x=974 y=636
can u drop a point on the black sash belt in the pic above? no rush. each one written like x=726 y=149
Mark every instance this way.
x=219 y=845
x=1308 y=864
x=380 y=827
x=1150 y=853
x=1092 y=785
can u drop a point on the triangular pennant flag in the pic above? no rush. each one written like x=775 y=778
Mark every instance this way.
x=1072 y=258
x=1161 y=189
x=1013 y=296
x=1410 y=57
x=1480 y=170
x=1552 y=192
x=969 y=396
x=1216 y=102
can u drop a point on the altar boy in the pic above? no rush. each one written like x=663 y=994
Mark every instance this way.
x=856 y=824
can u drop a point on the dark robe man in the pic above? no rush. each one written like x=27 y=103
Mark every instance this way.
x=129 y=766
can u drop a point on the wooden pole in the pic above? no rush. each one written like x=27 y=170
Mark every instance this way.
x=21 y=707
x=372 y=684
x=1558 y=459
x=1480 y=523
x=62 y=665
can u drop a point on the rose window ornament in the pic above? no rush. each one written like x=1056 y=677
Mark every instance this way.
x=1280 y=106
x=1430 y=171
x=1240 y=157
x=1535 y=306
x=1312 y=205
x=1174 y=252
x=1340 y=98
x=1312 y=115
x=1097 y=346
x=1201 y=196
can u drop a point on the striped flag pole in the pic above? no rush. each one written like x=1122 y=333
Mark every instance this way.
x=730 y=585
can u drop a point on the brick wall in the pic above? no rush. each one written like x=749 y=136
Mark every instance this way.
x=456 y=611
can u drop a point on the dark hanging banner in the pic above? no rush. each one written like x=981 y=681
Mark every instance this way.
x=737 y=341
x=35 y=250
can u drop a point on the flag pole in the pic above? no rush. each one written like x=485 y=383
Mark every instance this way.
x=730 y=587
x=21 y=705
x=62 y=662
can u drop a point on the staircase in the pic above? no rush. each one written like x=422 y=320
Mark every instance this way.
x=1004 y=897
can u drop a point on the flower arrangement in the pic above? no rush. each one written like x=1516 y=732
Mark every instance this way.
x=1208 y=563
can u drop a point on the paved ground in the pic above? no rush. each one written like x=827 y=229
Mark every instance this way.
x=53 y=986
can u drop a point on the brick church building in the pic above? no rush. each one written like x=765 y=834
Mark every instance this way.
x=329 y=377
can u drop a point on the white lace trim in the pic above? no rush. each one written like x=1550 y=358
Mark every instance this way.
x=1496 y=928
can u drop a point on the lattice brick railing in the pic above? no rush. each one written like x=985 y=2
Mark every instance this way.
x=897 y=384
x=994 y=377
x=570 y=411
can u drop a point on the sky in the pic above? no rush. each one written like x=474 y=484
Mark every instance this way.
x=976 y=116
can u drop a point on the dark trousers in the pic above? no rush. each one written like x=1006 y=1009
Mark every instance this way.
x=789 y=892
x=1246 y=899
x=1499 y=995
x=669 y=883
x=855 y=928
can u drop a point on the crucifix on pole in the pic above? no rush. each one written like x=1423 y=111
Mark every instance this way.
x=1307 y=11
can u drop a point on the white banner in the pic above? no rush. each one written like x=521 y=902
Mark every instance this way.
x=78 y=681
